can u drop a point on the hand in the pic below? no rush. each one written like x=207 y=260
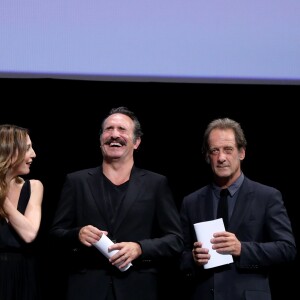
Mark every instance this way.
x=128 y=251
x=88 y=235
x=200 y=255
x=226 y=243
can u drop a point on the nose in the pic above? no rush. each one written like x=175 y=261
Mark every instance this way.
x=115 y=133
x=33 y=154
x=222 y=156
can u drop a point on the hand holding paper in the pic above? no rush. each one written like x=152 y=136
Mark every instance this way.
x=103 y=244
x=204 y=232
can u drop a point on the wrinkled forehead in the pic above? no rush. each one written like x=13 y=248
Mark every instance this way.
x=118 y=120
x=221 y=137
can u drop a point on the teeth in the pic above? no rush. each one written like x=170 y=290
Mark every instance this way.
x=115 y=144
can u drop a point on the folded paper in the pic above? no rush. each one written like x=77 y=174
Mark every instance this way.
x=204 y=232
x=103 y=244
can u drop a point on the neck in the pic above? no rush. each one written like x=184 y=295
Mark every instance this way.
x=117 y=172
x=225 y=182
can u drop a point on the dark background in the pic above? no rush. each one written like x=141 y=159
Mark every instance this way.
x=64 y=118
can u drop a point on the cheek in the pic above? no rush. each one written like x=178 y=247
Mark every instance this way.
x=236 y=162
x=21 y=168
x=103 y=138
x=26 y=158
x=213 y=159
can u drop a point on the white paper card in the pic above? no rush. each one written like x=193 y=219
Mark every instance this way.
x=103 y=244
x=204 y=232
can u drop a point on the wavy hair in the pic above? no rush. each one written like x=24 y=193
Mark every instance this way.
x=13 y=147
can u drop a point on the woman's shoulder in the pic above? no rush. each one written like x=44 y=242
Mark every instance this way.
x=36 y=184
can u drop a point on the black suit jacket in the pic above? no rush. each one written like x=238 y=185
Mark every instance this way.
x=148 y=215
x=260 y=222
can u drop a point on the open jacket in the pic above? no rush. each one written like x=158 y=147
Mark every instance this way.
x=148 y=215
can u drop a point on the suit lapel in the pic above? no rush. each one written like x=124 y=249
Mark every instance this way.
x=242 y=205
x=95 y=183
x=134 y=189
x=204 y=206
x=208 y=211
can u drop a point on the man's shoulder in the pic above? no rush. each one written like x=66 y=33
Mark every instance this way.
x=201 y=191
x=258 y=186
x=147 y=172
x=148 y=175
x=84 y=172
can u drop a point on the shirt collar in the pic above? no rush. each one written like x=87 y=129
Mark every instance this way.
x=232 y=188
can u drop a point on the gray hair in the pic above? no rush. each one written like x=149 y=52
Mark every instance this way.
x=224 y=123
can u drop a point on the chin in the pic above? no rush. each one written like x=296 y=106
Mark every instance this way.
x=223 y=175
x=26 y=172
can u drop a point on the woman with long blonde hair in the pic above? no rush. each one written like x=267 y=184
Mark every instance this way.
x=20 y=215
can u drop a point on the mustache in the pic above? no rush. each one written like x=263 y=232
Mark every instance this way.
x=115 y=140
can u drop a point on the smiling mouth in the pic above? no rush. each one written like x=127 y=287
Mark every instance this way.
x=114 y=144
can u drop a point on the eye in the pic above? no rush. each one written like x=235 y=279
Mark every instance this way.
x=107 y=129
x=214 y=151
x=122 y=129
x=228 y=150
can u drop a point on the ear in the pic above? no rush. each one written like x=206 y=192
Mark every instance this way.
x=137 y=143
x=207 y=159
x=242 y=154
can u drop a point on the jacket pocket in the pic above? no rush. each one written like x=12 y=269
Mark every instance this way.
x=257 y=295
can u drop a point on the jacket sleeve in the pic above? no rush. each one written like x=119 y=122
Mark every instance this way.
x=166 y=240
x=271 y=238
x=63 y=228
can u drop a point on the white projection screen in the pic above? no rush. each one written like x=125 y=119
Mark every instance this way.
x=216 y=41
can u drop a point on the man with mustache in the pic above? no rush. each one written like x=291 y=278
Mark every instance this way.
x=132 y=206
